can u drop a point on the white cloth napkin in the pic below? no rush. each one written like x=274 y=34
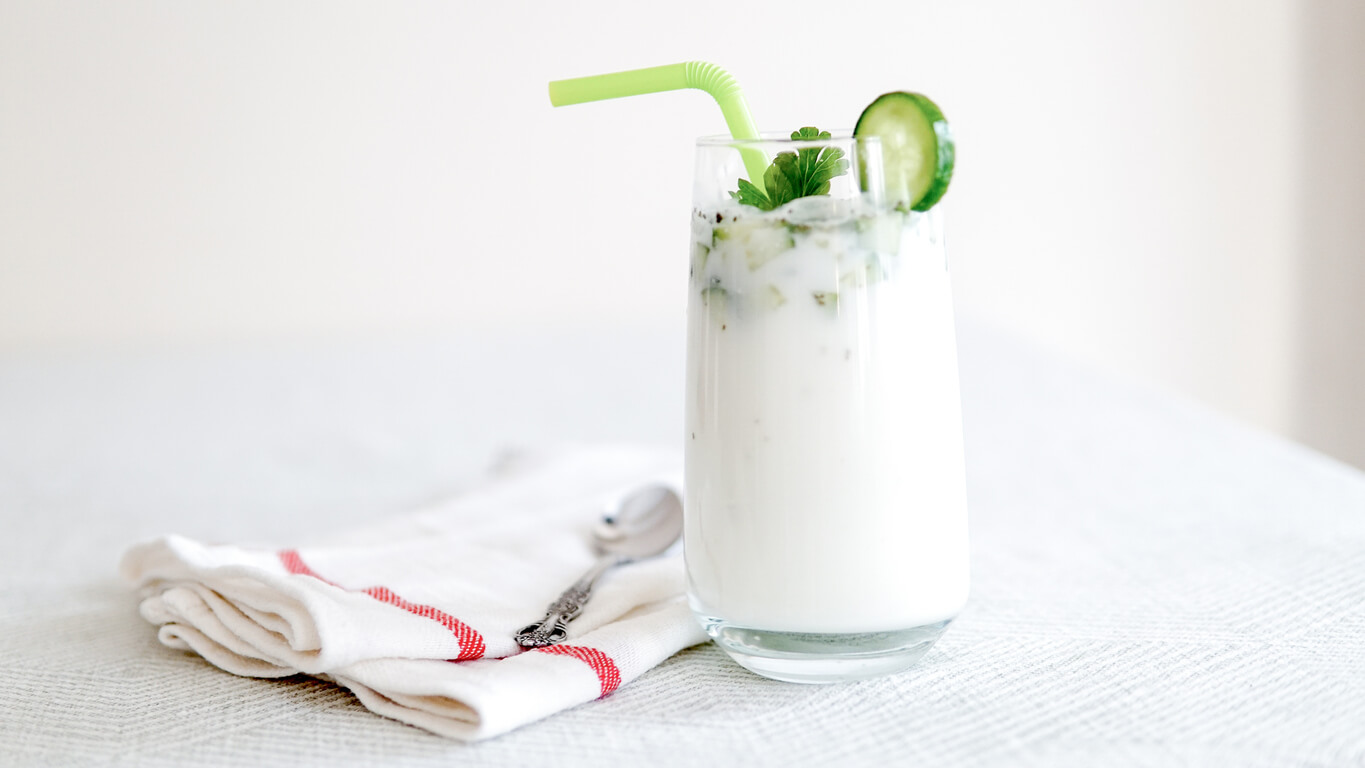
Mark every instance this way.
x=416 y=615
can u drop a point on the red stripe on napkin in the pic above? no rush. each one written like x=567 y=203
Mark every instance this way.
x=471 y=642
x=295 y=565
x=601 y=663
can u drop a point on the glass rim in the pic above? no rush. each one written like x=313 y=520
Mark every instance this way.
x=779 y=138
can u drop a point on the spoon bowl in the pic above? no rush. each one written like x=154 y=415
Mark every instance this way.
x=644 y=524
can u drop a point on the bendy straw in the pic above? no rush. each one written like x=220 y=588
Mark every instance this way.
x=673 y=77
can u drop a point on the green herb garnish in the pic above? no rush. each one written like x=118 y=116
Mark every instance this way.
x=803 y=173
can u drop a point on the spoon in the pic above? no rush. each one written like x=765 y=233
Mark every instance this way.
x=644 y=524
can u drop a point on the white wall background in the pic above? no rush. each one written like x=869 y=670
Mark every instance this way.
x=1130 y=189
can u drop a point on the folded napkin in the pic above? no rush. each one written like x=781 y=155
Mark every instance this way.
x=416 y=614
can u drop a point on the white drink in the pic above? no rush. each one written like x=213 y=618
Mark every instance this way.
x=825 y=487
x=825 y=512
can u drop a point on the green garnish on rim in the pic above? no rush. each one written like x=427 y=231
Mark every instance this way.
x=803 y=173
x=917 y=148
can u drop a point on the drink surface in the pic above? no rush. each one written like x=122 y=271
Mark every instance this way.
x=825 y=487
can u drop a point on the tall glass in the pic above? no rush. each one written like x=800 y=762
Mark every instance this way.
x=826 y=519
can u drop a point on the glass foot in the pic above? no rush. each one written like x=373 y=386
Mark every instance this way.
x=802 y=657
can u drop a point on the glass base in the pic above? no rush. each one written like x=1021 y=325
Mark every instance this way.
x=803 y=657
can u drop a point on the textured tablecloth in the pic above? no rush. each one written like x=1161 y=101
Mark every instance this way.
x=1153 y=584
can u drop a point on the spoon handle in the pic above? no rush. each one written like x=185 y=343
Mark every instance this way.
x=555 y=626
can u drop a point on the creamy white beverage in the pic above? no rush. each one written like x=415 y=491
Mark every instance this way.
x=825 y=487
x=825 y=515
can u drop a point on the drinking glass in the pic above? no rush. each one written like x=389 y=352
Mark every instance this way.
x=826 y=517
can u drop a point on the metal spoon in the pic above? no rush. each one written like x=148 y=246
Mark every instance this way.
x=643 y=525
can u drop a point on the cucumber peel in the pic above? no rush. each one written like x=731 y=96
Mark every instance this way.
x=917 y=148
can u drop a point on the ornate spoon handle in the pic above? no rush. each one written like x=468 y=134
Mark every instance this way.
x=555 y=626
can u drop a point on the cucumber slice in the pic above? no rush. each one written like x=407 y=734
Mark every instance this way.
x=715 y=299
x=774 y=298
x=760 y=240
x=917 y=148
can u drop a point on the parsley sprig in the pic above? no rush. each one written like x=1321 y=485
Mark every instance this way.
x=802 y=173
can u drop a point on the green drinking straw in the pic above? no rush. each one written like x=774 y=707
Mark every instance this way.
x=673 y=77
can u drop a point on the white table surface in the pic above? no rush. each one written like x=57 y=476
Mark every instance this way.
x=1153 y=584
